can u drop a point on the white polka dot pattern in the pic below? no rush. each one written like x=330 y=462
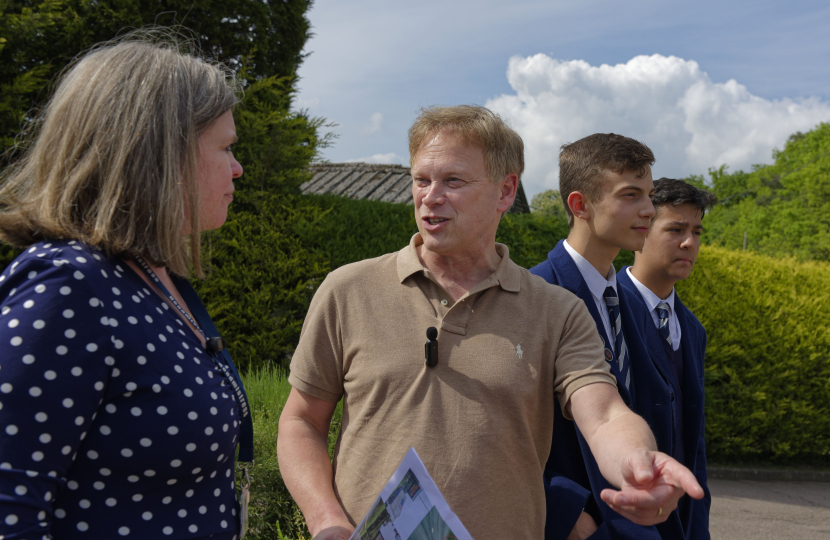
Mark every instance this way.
x=99 y=393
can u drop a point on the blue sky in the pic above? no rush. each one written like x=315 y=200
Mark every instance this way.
x=703 y=83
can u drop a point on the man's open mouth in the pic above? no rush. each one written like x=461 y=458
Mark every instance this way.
x=435 y=221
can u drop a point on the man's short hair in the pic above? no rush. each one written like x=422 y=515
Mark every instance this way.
x=582 y=164
x=476 y=126
x=671 y=192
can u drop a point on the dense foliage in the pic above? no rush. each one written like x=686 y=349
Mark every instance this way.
x=783 y=208
x=549 y=202
x=768 y=359
x=39 y=37
x=764 y=341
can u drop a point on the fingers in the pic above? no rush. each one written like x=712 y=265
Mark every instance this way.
x=649 y=500
x=690 y=484
x=672 y=472
x=638 y=469
x=664 y=470
x=653 y=484
x=643 y=508
x=584 y=528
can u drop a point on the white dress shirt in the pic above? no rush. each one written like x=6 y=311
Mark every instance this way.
x=597 y=285
x=651 y=302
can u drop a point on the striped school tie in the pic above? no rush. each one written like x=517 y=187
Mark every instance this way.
x=663 y=315
x=612 y=302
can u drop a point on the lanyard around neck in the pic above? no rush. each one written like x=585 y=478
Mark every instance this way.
x=152 y=275
x=216 y=352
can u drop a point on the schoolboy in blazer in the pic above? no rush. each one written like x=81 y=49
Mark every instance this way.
x=605 y=183
x=675 y=339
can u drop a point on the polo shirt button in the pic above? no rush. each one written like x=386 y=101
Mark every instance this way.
x=444 y=302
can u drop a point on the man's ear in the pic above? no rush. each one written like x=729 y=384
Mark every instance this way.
x=509 y=188
x=578 y=205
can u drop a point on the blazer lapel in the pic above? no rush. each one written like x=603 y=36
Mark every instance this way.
x=569 y=277
x=654 y=343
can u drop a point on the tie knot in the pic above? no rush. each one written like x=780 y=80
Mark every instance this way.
x=610 y=296
x=663 y=310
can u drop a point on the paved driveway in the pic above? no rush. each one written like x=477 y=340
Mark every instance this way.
x=750 y=510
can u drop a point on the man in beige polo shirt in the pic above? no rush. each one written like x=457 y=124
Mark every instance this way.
x=508 y=345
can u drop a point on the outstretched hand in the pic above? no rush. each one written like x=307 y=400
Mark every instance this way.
x=652 y=484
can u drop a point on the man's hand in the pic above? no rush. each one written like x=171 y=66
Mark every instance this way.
x=652 y=484
x=585 y=527
x=334 y=533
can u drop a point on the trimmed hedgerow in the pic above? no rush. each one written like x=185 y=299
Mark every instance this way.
x=768 y=355
x=353 y=230
x=262 y=276
x=768 y=367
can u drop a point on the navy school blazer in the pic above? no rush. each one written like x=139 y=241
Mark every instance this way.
x=572 y=478
x=693 y=344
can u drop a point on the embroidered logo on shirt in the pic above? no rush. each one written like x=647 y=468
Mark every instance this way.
x=519 y=351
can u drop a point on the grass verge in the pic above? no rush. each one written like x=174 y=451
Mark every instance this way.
x=272 y=512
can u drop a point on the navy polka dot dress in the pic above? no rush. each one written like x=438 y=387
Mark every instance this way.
x=114 y=420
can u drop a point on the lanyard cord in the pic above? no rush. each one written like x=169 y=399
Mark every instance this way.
x=246 y=450
x=143 y=264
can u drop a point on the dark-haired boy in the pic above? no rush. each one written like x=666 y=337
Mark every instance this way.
x=675 y=339
x=605 y=183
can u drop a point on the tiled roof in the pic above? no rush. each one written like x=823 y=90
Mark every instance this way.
x=387 y=183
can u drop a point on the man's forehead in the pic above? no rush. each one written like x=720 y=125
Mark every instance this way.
x=449 y=135
x=686 y=212
x=612 y=180
x=451 y=147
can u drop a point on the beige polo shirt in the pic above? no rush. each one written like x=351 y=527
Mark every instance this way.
x=482 y=419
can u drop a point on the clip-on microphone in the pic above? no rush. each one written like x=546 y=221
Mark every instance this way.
x=431 y=347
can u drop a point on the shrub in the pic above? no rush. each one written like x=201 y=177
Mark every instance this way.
x=273 y=513
x=768 y=355
x=353 y=230
x=262 y=276
x=781 y=207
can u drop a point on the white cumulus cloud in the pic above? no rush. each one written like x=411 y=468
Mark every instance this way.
x=387 y=159
x=669 y=103
x=375 y=124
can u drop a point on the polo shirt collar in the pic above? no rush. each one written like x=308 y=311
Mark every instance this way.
x=650 y=298
x=507 y=275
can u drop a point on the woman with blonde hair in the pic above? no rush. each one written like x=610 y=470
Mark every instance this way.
x=119 y=407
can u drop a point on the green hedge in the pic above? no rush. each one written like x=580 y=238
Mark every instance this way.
x=767 y=363
x=768 y=380
x=768 y=355
x=262 y=276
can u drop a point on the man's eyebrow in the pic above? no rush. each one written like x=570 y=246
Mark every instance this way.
x=632 y=186
x=677 y=224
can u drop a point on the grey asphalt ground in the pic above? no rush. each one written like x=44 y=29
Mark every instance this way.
x=752 y=510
